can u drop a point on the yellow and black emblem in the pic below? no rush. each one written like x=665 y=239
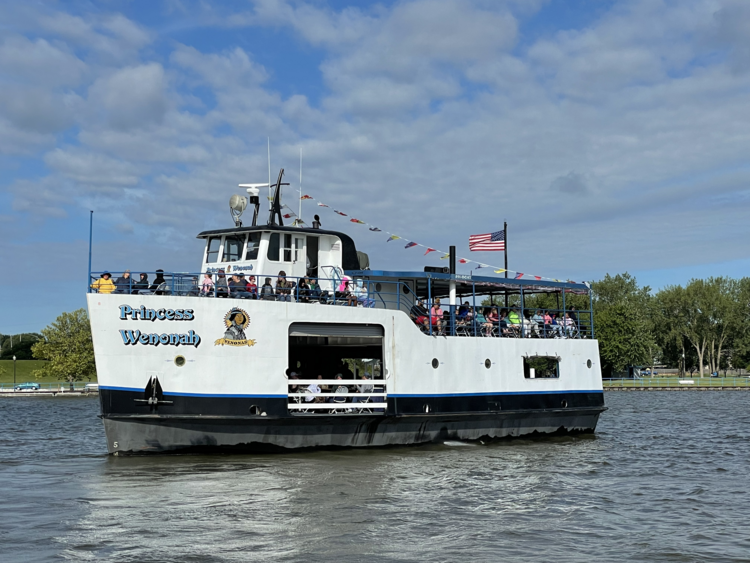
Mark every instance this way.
x=235 y=321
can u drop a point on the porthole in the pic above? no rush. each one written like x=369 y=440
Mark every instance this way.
x=588 y=364
x=179 y=361
x=564 y=404
x=435 y=363
x=426 y=408
x=405 y=288
x=254 y=409
x=487 y=363
x=378 y=287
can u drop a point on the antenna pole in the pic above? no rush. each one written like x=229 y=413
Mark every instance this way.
x=299 y=215
x=91 y=240
x=270 y=204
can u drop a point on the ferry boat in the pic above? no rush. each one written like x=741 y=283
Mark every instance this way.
x=188 y=364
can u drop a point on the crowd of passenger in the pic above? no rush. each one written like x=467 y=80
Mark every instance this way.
x=238 y=285
x=496 y=321
x=434 y=319
x=315 y=393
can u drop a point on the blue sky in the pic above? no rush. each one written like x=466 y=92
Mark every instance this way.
x=611 y=135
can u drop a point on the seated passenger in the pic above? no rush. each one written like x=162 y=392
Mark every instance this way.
x=568 y=326
x=557 y=329
x=419 y=315
x=348 y=294
x=266 y=291
x=104 y=284
x=314 y=391
x=283 y=288
x=436 y=316
x=315 y=292
x=365 y=388
x=141 y=284
x=502 y=324
x=303 y=291
x=488 y=324
x=360 y=292
x=237 y=288
x=159 y=286
x=251 y=287
x=222 y=286
x=339 y=388
x=124 y=283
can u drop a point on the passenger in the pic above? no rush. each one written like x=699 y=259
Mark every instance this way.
x=315 y=292
x=419 y=315
x=283 y=288
x=360 y=292
x=557 y=330
x=502 y=324
x=124 y=283
x=491 y=320
x=313 y=391
x=568 y=326
x=514 y=322
x=104 y=284
x=251 y=287
x=207 y=286
x=348 y=294
x=316 y=222
x=303 y=291
x=339 y=388
x=436 y=315
x=528 y=325
x=364 y=388
x=141 y=284
x=266 y=291
x=572 y=315
x=547 y=332
x=538 y=318
x=159 y=287
x=222 y=287
x=237 y=288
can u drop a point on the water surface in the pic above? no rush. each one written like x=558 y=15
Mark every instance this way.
x=664 y=479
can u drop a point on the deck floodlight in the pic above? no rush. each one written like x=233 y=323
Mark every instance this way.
x=237 y=205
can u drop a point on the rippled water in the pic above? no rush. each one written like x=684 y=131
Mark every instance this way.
x=664 y=479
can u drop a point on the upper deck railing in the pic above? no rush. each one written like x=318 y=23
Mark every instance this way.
x=470 y=317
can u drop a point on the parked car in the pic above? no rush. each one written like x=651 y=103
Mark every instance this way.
x=91 y=388
x=28 y=386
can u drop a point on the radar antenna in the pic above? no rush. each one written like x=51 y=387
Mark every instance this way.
x=253 y=193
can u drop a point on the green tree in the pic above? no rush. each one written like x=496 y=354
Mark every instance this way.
x=624 y=322
x=68 y=347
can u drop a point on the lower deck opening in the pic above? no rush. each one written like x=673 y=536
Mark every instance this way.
x=541 y=367
x=336 y=369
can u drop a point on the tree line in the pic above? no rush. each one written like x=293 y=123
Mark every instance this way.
x=703 y=326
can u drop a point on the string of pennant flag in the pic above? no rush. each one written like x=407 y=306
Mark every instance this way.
x=409 y=243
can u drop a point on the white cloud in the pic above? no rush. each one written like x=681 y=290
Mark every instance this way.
x=132 y=97
x=39 y=62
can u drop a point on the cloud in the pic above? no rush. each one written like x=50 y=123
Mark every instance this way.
x=39 y=62
x=132 y=97
x=571 y=183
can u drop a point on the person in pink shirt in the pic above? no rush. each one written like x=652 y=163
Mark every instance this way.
x=436 y=315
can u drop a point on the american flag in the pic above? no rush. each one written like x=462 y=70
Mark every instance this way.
x=489 y=241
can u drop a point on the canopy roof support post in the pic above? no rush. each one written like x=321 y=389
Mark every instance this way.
x=523 y=315
x=429 y=302
x=591 y=312
x=474 y=306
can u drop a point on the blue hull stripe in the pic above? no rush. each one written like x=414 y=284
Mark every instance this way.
x=228 y=396
x=495 y=394
x=394 y=395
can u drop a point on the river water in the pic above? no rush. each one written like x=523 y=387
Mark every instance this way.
x=665 y=478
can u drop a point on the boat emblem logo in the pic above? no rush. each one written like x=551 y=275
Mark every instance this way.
x=235 y=322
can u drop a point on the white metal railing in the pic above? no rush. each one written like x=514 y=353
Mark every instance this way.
x=303 y=400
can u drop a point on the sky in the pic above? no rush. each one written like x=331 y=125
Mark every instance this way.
x=612 y=136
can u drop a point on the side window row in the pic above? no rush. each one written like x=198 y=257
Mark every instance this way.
x=233 y=245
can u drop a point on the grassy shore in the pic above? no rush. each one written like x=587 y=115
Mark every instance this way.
x=675 y=382
x=23 y=371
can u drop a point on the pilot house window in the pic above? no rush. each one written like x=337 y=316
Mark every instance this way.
x=253 y=242
x=212 y=250
x=233 y=248
x=274 y=246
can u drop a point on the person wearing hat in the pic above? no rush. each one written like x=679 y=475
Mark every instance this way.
x=104 y=284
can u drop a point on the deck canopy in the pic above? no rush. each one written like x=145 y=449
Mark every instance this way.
x=439 y=283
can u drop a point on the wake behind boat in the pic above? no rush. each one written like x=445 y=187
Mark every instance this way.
x=287 y=339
